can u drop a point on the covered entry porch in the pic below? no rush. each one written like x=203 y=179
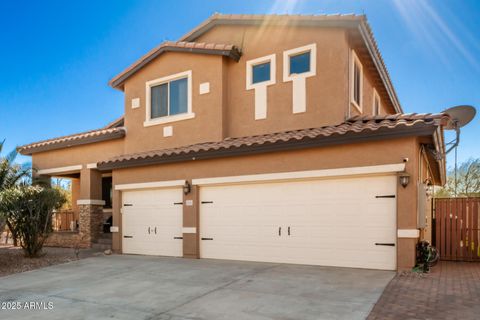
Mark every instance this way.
x=86 y=220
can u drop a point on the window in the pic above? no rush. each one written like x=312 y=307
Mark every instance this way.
x=169 y=99
x=107 y=192
x=376 y=103
x=300 y=63
x=261 y=72
x=356 y=82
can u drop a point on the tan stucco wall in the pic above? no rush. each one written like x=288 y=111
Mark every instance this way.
x=228 y=110
x=207 y=124
x=84 y=154
x=361 y=154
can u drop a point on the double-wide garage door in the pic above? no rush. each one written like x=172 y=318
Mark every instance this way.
x=332 y=222
x=337 y=222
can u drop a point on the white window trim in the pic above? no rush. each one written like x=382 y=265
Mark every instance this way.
x=178 y=117
x=261 y=87
x=251 y=63
x=355 y=59
x=299 y=86
x=292 y=52
x=376 y=96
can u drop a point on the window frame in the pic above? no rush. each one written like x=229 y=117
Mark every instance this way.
x=312 y=48
x=149 y=121
x=356 y=61
x=376 y=96
x=254 y=62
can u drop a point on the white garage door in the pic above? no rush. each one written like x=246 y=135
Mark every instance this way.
x=152 y=222
x=337 y=222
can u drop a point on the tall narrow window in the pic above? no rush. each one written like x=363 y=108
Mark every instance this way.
x=356 y=82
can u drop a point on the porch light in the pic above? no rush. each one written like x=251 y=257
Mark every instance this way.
x=404 y=179
x=187 y=188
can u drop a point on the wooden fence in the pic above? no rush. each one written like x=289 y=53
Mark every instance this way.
x=456 y=228
x=64 y=220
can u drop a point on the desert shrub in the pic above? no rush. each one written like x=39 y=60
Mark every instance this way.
x=29 y=210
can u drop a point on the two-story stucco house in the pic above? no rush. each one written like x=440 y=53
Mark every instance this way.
x=261 y=138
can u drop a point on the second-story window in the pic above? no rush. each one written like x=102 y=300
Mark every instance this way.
x=169 y=98
x=261 y=72
x=300 y=63
x=356 y=84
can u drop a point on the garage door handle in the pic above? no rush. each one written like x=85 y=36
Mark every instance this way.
x=279 y=231
x=288 y=230
x=178 y=238
x=385 y=244
x=148 y=230
x=207 y=238
x=155 y=230
x=128 y=236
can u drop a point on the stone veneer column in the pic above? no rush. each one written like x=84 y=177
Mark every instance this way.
x=90 y=223
x=90 y=206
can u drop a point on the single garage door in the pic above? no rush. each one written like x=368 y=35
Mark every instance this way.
x=347 y=222
x=152 y=222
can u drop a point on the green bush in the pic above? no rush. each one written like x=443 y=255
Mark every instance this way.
x=29 y=209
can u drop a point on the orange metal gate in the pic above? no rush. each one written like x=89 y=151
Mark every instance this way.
x=456 y=228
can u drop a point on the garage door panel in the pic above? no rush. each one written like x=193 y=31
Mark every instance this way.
x=151 y=220
x=332 y=222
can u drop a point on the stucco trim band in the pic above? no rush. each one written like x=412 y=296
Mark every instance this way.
x=150 y=185
x=67 y=169
x=91 y=201
x=408 y=233
x=92 y=165
x=189 y=230
x=296 y=175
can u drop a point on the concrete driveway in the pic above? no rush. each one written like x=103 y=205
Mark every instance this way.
x=140 y=287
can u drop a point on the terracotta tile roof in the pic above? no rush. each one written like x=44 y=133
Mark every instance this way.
x=359 y=125
x=179 y=46
x=336 y=20
x=120 y=122
x=74 y=139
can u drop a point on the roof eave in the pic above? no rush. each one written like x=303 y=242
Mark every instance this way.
x=28 y=151
x=118 y=81
x=378 y=61
x=380 y=134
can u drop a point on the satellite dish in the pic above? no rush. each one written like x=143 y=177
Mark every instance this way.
x=461 y=115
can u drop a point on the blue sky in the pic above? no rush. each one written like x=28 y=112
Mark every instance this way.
x=56 y=57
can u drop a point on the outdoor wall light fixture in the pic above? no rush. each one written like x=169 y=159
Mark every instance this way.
x=187 y=188
x=404 y=179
